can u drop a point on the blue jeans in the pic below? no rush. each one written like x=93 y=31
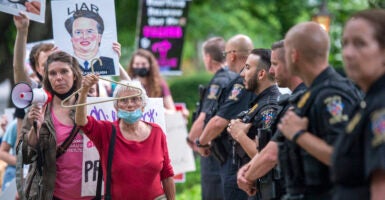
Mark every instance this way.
x=9 y=175
x=211 y=182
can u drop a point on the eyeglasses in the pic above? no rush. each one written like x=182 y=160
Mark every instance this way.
x=134 y=100
x=227 y=52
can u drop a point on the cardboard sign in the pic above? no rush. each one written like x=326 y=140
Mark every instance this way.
x=86 y=29
x=34 y=9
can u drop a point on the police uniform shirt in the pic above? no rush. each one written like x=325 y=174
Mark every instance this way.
x=267 y=107
x=328 y=115
x=235 y=99
x=361 y=150
x=278 y=136
x=215 y=90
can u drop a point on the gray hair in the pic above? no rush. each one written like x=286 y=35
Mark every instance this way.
x=134 y=83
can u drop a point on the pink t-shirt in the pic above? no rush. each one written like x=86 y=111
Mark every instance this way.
x=68 y=165
x=137 y=167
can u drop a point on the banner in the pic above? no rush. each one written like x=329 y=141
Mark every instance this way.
x=162 y=26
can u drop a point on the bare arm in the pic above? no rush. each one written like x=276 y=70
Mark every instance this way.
x=5 y=155
x=169 y=104
x=22 y=24
x=291 y=123
x=169 y=188
x=316 y=147
x=238 y=131
x=263 y=162
x=123 y=75
x=213 y=129
x=377 y=185
x=196 y=129
x=81 y=111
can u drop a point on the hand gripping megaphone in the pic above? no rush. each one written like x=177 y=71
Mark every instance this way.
x=23 y=95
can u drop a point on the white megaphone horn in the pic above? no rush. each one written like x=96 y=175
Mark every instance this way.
x=23 y=95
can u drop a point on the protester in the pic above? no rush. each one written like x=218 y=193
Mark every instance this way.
x=214 y=62
x=141 y=167
x=322 y=112
x=234 y=100
x=358 y=162
x=144 y=67
x=7 y=153
x=267 y=159
x=55 y=168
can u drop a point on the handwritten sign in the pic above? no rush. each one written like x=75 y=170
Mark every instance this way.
x=161 y=31
x=86 y=29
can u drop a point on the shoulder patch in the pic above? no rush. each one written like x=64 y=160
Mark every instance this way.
x=268 y=117
x=335 y=107
x=237 y=88
x=213 y=91
x=378 y=127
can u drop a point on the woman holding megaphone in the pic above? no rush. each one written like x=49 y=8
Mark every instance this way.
x=54 y=147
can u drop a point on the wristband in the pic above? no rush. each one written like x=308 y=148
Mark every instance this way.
x=297 y=135
x=200 y=145
x=189 y=141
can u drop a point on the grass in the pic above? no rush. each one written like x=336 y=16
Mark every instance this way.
x=191 y=188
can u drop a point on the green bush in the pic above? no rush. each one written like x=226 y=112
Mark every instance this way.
x=185 y=89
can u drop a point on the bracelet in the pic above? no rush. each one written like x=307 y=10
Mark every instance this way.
x=189 y=141
x=201 y=145
x=297 y=135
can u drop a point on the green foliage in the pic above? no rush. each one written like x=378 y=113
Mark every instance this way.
x=191 y=189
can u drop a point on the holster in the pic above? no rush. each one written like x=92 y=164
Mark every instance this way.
x=264 y=136
x=219 y=150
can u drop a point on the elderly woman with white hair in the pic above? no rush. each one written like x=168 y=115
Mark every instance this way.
x=140 y=167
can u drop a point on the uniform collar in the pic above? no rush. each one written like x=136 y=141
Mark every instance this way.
x=324 y=75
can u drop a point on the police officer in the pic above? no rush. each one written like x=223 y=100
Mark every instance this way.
x=321 y=113
x=214 y=63
x=234 y=99
x=256 y=122
x=266 y=160
x=358 y=162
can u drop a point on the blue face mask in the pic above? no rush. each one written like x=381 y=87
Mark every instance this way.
x=130 y=117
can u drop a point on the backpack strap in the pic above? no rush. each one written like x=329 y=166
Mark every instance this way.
x=60 y=150
x=109 y=163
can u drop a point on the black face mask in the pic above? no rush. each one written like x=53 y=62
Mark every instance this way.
x=65 y=95
x=142 y=72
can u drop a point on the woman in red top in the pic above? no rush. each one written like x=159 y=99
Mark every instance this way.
x=141 y=167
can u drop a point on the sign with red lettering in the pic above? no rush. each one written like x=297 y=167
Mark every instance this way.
x=161 y=30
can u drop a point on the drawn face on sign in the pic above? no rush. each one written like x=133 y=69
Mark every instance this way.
x=85 y=38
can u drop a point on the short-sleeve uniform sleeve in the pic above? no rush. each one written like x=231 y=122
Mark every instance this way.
x=237 y=99
x=331 y=114
x=375 y=143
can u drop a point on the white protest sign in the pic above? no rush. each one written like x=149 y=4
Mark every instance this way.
x=154 y=112
x=181 y=155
